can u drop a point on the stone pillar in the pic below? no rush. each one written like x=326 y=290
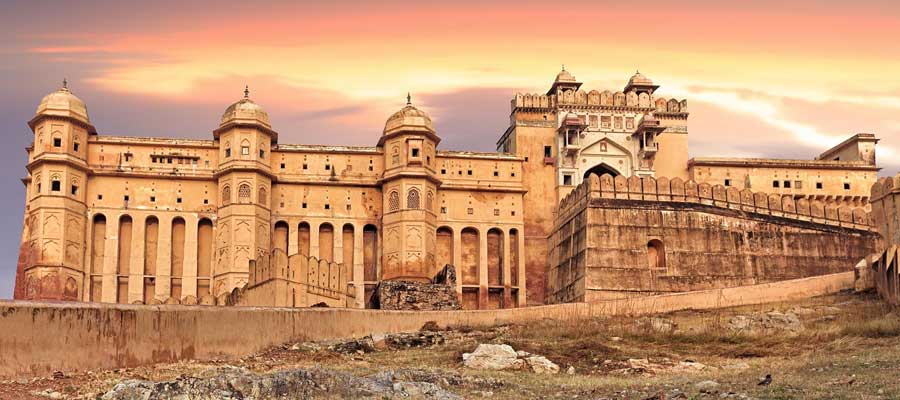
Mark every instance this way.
x=314 y=239
x=293 y=237
x=520 y=257
x=164 y=259
x=507 y=277
x=482 y=267
x=457 y=258
x=136 y=268
x=189 y=271
x=337 y=244
x=111 y=250
x=359 y=267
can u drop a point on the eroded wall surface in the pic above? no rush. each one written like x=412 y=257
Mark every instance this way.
x=620 y=238
x=886 y=212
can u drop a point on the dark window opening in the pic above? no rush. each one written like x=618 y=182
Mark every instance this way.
x=776 y=184
x=282 y=165
x=728 y=182
x=178 y=200
x=228 y=152
x=127 y=197
x=415 y=152
x=469 y=172
x=99 y=197
x=787 y=184
x=57 y=142
x=305 y=166
x=819 y=185
x=303 y=205
x=443 y=171
x=205 y=201
x=846 y=186
x=567 y=180
x=153 y=199
x=496 y=173
x=443 y=210
x=262 y=154
x=328 y=167
x=548 y=151
x=74 y=190
x=54 y=186
x=75 y=147
x=327 y=206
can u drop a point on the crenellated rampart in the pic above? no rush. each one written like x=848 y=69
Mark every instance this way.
x=623 y=237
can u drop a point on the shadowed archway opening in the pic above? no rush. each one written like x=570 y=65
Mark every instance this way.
x=601 y=169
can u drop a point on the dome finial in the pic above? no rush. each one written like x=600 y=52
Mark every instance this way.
x=246 y=91
x=408 y=99
x=564 y=67
x=65 y=83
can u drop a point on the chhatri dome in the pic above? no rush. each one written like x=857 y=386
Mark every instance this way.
x=409 y=118
x=245 y=111
x=564 y=76
x=639 y=79
x=62 y=103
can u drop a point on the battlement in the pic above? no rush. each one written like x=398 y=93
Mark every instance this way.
x=605 y=99
x=296 y=281
x=664 y=190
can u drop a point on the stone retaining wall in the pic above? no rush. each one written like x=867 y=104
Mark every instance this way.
x=40 y=337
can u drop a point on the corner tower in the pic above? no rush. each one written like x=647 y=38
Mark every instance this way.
x=245 y=138
x=409 y=186
x=51 y=257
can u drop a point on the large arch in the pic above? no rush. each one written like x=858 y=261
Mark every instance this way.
x=601 y=169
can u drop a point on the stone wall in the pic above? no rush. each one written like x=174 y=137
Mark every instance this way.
x=38 y=338
x=439 y=294
x=619 y=238
x=885 y=269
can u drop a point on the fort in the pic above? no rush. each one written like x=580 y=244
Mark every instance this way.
x=137 y=220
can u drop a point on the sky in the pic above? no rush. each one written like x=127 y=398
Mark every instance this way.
x=762 y=79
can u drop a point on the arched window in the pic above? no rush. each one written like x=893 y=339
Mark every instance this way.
x=244 y=193
x=656 y=254
x=395 y=156
x=227 y=149
x=245 y=148
x=394 y=201
x=226 y=195
x=261 y=196
x=429 y=202
x=412 y=199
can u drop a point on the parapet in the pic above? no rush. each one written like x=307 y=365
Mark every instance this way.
x=664 y=190
x=632 y=99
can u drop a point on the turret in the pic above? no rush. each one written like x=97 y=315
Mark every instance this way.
x=409 y=189
x=52 y=254
x=245 y=139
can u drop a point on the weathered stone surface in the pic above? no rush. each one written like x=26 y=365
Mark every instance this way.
x=238 y=383
x=504 y=357
x=758 y=323
x=440 y=294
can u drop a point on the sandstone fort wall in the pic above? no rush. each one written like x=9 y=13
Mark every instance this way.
x=40 y=337
x=623 y=237
x=885 y=268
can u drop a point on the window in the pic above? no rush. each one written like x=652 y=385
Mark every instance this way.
x=604 y=121
x=226 y=195
x=127 y=155
x=470 y=211
x=371 y=168
x=412 y=199
x=548 y=151
x=54 y=186
x=282 y=165
x=728 y=182
x=244 y=193
x=469 y=172
x=776 y=184
x=512 y=174
x=57 y=142
x=618 y=122
x=74 y=190
x=227 y=152
x=75 y=147
x=303 y=205
x=496 y=212
x=798 y=184
x=629 y=123
x=261 y=196
x=262 y=153
x=819 y=185
x=443 y=210
x=656 y=254
x=496 y=173
x=205 y=201
x=787 y=184
x=394 y=201
x=126 y=198
x=846 y=185
x=429 y=202
x=415 y=152
x=153 y=199
x=594 y=121
x=245 y=150
x=328 y=167
x=443 y=171
x=327 y=206
x=99 y=197
x=567 y=179
x=305 y=166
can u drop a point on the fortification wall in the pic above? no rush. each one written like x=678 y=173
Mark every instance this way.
x=41 y=337
x=624 y=237
x=885 y=269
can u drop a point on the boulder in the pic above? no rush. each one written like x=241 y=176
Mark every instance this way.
x=492 y=356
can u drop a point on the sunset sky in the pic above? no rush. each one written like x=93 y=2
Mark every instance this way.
x=761 y=79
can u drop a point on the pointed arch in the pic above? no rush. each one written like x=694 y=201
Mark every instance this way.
x=600 y=170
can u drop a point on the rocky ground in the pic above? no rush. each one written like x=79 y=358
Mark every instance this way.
x=836 y=347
